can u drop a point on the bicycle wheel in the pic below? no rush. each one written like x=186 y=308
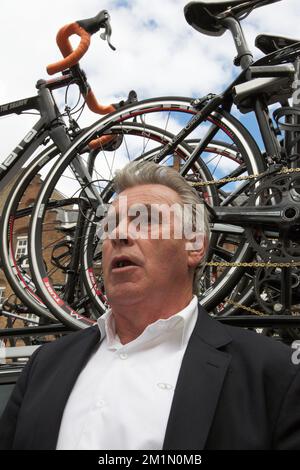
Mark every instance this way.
x=14 y=227
x=134 y=133
x=15 y=218
x=241 y=157
x=91 y=250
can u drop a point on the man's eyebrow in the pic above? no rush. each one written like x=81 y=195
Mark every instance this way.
x=150 y=206
x=154 y=208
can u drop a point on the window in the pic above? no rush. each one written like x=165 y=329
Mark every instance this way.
x=22 y=250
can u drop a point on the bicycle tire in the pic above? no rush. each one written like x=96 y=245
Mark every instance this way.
x=93 y=283
x=22 y=288
x=252 y=163
x=14 y=216
x=135 y=130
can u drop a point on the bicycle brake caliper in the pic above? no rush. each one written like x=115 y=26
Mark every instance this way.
x=201 y=102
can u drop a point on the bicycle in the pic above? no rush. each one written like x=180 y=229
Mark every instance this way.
x=246 y=157
x=64 y=250
x=51 y=127
x=236 y=193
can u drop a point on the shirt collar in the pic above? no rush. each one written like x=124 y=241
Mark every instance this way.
x=183 y=322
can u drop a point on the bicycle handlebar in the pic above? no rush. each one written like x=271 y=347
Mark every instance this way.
x=84 y=29
x=71 y=57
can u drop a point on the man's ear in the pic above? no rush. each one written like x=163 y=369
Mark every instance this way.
x=196 y=249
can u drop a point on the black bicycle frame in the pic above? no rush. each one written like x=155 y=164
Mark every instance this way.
x=50 y=125
x=225 y=100
x=33 y=139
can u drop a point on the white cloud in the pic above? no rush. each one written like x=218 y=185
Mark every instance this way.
x=158 y=53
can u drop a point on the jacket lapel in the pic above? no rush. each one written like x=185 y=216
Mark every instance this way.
x=196 y=395
x=198 y=387
x=59 y=385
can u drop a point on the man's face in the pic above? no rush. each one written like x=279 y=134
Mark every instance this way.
x=136 y=267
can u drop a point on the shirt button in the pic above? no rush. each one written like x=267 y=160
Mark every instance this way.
x=123 y=356
x=164 y=386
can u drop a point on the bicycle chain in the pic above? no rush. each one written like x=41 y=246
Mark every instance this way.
x=253 y=264
x=248 y=309
x=285 y=171
x=253 y=310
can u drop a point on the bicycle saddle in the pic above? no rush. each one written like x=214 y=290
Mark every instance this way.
x=203 y=15
x=268 y=43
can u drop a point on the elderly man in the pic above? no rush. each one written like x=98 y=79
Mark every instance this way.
x=156 y=372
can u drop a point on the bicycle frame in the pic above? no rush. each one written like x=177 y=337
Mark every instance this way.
x=49 y=125
x=33 y=139
x=211 y=103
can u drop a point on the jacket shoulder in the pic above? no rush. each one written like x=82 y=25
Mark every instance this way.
x=69 y=341
x=261 y=352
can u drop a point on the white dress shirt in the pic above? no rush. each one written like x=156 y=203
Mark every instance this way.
x=122 y=398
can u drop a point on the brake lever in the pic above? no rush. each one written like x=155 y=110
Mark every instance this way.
x=106 y=35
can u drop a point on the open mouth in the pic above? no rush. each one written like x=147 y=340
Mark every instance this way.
x=122 y=263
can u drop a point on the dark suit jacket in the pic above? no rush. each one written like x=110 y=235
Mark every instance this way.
x=235 y=390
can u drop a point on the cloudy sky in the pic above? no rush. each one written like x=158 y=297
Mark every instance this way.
x=158 y=53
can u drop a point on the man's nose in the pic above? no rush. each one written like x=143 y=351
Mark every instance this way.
x=121 y=235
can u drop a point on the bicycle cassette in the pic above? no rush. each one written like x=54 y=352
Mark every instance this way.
x=277 y=242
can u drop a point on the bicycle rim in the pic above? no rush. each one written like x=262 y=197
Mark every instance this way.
x=250 y=162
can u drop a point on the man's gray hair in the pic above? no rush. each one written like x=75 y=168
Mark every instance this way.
x=139 y=173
